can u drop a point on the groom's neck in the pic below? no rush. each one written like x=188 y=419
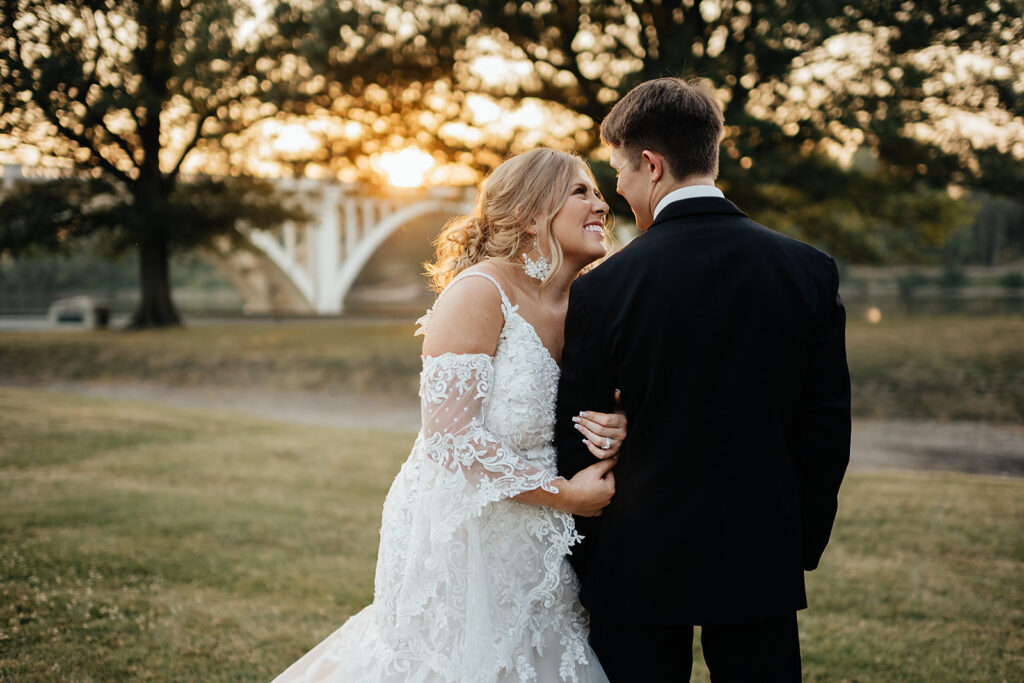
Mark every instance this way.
x=689 y=181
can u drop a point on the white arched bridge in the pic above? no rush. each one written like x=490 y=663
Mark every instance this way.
x=309 y=267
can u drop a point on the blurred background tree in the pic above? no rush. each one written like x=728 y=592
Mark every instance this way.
x=872 y=129
x=860 y=127
x=856 y=126
x=127 y=93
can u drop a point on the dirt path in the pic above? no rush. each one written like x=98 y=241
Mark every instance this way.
x=971 y=447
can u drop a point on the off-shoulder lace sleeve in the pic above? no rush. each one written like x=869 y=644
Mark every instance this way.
x=445 y=591
x=454 y=390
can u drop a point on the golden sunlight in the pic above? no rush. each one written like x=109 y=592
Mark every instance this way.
x=291 y=138
x=405 y=168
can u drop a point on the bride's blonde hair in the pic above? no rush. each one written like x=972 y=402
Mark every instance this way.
x=530 y=186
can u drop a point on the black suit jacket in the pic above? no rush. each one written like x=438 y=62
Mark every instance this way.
x=727 y=340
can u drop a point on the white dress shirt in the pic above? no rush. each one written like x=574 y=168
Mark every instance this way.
x=688 y=192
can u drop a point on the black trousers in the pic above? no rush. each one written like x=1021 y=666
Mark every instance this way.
x=767 y=650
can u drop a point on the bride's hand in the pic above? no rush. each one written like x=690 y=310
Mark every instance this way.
x=604 y=432
x=591 y=489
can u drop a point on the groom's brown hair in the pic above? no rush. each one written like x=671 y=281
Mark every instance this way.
x=678 y=119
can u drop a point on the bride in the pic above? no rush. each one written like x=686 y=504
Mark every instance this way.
x=473 y=582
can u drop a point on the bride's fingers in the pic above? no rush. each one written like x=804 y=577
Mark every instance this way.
x=600 y=419
x=601 y=453
x=595 y=437
x=615 y=427
x=607 y=441
x=598 y=453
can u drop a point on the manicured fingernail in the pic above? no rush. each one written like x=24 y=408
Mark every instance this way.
x=584 y=441
x=577 y=427
x=582 y=411
x=575 y=418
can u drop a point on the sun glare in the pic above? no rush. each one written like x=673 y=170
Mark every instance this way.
x=292 y=138
x=405 y=168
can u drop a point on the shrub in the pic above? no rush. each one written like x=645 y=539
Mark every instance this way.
x=1014 y=280
x=952 y=278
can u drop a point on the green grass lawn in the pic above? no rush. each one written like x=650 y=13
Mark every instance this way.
x=139 y=542
x=329 y=355
x=946 y=368
x=949 y=367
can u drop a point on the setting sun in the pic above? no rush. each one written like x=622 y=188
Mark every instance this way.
x=406 y=168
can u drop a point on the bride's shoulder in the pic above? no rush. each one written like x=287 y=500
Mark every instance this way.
x=467 y=317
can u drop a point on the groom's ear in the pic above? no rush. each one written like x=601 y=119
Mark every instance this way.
x=653 y=163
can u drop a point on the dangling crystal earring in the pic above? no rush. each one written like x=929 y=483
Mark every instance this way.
x=538 y=269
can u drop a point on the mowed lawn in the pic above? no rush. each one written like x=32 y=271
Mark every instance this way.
x=940 y=368
x=139 y=542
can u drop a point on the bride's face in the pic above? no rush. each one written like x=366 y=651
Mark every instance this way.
x=579 y=224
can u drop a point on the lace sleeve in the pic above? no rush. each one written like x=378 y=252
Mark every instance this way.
x=454 y=391
x=436 y=569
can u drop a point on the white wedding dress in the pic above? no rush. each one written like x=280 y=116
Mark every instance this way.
x=471 y=585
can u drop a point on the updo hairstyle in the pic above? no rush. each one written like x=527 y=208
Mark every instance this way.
x=533 y=185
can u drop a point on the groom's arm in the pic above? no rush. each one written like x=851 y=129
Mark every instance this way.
x=587 y=381
x=822 y=431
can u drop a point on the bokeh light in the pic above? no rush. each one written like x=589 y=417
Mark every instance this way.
x=405 y=168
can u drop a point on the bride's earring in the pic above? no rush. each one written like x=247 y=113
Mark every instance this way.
x=538 y=269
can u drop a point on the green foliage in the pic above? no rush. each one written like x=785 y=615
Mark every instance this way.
x=910 y=282
x=127 y=91
x=1013 y=280
x=47 y=215
x=866 y=223
x=36 y=279
x=994 y=237
x=873 y=80
x=50 y=215
x=132 y=91
x=799 y=80
x=952 y=277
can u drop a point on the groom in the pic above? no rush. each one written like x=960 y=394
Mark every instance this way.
x=726 y=340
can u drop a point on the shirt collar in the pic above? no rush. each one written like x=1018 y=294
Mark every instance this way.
x=688 y=192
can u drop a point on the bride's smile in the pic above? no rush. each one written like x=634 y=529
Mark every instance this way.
x=579 y=226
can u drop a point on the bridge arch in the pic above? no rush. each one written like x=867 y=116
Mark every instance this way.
x=323 y=257
x=355 y=262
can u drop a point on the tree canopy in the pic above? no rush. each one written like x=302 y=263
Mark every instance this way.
x=856 y=126
x=847 y=123
x=127 y=91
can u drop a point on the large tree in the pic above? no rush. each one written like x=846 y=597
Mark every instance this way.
x=127 y=91
x=847 y=123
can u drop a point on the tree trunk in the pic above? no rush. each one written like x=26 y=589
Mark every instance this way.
x=156 y=309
